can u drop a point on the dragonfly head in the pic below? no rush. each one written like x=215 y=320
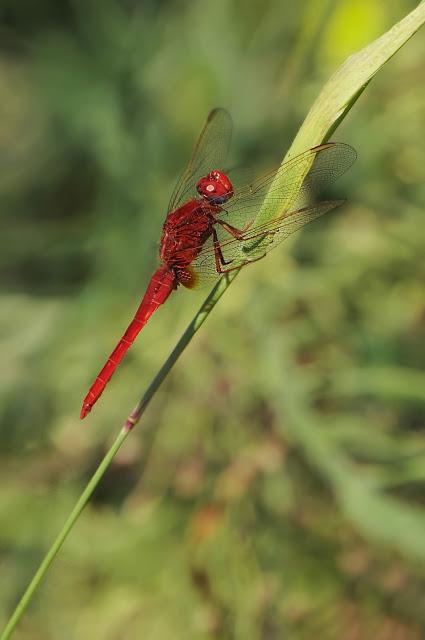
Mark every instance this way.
x=216 y=187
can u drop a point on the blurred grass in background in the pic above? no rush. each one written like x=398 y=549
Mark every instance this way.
x=276 y=487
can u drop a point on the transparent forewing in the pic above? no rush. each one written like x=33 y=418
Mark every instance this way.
x=331 y=161
x=209 y=153
x=256 y=243
x=294 y=185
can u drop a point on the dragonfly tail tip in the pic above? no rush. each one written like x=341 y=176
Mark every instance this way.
x=85 y=409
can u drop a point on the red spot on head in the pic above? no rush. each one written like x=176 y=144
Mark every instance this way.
x=216 y=187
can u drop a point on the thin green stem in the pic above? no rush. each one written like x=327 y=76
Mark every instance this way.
x=133 y=418
x=57 y=544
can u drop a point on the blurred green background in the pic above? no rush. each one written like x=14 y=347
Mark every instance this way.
x=275 y=488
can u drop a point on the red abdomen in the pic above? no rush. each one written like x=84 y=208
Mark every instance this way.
x=161 y=285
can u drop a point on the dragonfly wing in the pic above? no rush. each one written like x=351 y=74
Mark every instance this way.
x=296 y=184
x=263 y=239
x=204 y=267
x=331 y=161
x=257 y=241
x=210 y=153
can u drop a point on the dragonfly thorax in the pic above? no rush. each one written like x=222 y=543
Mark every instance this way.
x=215 y=187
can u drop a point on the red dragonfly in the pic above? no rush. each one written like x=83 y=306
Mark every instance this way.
x=213 y=221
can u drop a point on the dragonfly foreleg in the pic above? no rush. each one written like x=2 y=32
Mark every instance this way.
x=236 y=233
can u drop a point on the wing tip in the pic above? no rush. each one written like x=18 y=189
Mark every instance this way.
x=216 y=111
x=329 y=145
x=213 y=113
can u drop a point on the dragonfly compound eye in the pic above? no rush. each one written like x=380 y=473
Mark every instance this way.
x=215 y=187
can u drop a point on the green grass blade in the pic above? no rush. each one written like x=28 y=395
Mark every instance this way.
x=342 y=91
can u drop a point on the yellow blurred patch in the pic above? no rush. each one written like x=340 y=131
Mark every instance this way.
x=352 y=25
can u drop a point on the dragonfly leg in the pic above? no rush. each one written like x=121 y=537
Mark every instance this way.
x=220 y=262
x=236 y=233
x=218 y=254
x=241 y=264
